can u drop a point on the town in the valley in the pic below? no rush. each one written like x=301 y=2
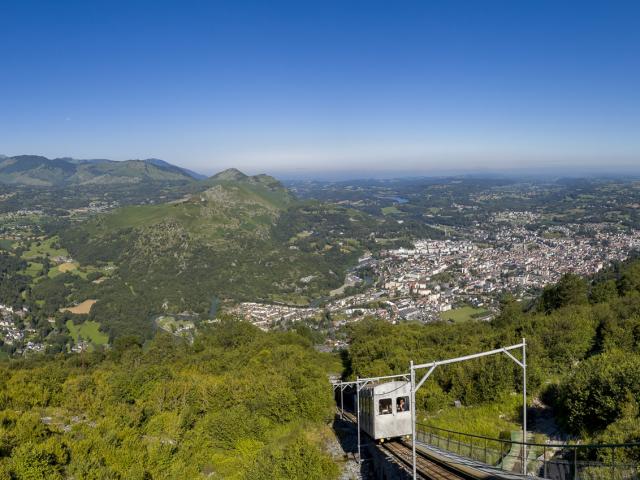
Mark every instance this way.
x=454 y=280
x=461 y=277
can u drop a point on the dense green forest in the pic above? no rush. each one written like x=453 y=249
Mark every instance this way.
x=583 y=355
x=12 y=283
x=238 y=403
x=241 y=403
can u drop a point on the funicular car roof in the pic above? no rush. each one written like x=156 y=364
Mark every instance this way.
x=388 y=388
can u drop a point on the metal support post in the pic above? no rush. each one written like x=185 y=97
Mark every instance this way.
x=613 y=463
x=413 y=421
x=485 y=450
x=432 y=365
x=341 y=402
x=524 y=407
x=358 y=415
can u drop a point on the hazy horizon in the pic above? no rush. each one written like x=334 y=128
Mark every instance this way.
x=439 y=169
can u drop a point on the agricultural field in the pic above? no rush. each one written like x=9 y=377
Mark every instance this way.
x=80 y=309
x=71 y=267
x=84 y=270
x=463 y=314
x=48 y=248
x=45 y=247
x=33 y=269
x=67 y=267
x=390 y=211
x=87 y=331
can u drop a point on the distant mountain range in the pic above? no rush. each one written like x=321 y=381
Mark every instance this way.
x=34 y=170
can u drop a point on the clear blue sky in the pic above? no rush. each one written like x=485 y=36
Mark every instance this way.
x=337 y=85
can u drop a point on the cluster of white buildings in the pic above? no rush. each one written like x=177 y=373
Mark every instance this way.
x=23 y=212
x=12 y=334
x=439 y=274
x=9 y=331
x=266 y=315
x=95 y=207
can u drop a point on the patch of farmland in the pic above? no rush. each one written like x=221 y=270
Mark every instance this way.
x=87 y=331
x=80 y=309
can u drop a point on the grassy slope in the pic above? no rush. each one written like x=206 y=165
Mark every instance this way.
x=201 y=211
x=88 y=331
x=45 y=248
x=33 y=269
x=489 y=419
x=390 y=210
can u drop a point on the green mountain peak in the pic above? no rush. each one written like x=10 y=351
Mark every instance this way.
x=230 y=174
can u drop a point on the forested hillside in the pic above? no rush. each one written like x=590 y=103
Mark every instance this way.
x=238 y=403
x=217 y=243
x=234 y=238
x=583 y=343
x=241 y=403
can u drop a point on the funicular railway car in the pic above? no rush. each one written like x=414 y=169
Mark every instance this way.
x=384 y=410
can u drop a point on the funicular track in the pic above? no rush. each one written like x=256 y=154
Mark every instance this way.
x=427 y=468
x=421 y=461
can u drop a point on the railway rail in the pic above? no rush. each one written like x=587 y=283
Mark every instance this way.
x=426 y=467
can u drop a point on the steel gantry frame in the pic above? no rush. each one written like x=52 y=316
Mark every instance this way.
x=341 y=386
x=432 y=366
x=360 y=383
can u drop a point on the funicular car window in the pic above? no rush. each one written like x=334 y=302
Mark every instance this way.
x=402 y=404
x=384 y=406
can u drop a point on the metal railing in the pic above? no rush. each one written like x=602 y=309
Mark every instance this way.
x=556 y=461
